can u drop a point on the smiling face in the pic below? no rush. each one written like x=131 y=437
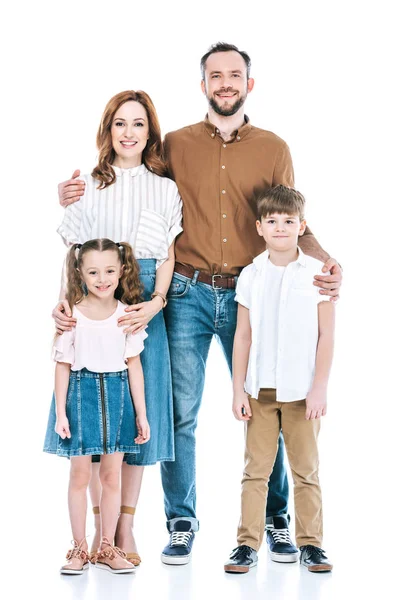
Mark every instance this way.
x=129 y=134
x=281 y=231
x=225 y=82
x=101 y=272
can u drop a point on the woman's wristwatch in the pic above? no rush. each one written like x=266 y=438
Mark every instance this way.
x=162 y=296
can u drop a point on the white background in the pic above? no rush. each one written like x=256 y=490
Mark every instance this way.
x=326 y=76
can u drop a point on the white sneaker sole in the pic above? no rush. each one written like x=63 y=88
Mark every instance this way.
x=74 y=571
x=175 y=560
x=111 y=570
x=284 y=558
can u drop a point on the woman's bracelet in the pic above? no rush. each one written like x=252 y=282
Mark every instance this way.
x=162 y=296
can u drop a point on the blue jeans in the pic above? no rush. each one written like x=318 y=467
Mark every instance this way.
x=194 y=314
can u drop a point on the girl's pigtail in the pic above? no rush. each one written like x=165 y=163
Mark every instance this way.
x=74 y=283
x=130 y=287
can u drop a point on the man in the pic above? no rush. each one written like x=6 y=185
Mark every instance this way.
x=217 y=165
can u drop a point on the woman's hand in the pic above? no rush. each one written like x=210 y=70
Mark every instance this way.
x=62 y=427
x=63 y=317
x=143 y=428
x=139 y=315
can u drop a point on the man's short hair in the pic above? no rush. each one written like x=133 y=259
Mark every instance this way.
x=280 y=199
x=223 y=47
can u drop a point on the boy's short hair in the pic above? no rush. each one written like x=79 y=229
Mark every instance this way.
x=282 y=200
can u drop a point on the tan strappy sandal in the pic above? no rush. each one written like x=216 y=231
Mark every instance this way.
x=78 y=560
x=93 y=553
x=133 y=557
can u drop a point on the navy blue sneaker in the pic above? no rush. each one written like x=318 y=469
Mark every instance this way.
x=280 y=546
x=179 y=549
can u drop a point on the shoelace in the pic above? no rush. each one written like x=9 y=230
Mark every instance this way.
x=315 y=552
x=77 y=551
x=180 y=538
x=110 y=551
x=281 y=536
x=241 y=552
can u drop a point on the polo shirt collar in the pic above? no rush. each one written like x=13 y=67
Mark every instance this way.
x=213 y=131
x=262 y=259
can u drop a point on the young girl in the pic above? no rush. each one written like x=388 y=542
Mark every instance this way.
x=98 y=368
x=127 y=197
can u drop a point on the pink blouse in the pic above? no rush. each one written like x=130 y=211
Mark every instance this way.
x=99 y=346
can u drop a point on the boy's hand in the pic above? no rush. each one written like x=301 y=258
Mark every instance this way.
x=241 y=406
x=316 y=403
x=62 y=428
x=143 y=428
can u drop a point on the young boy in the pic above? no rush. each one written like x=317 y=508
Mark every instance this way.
x=281 y=361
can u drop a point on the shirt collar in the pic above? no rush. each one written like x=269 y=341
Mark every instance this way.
x=262 y=259
x=133 y=171
x=237 y=135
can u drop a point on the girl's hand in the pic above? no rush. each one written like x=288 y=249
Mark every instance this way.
x=143 y=428
x=241 y=406
x=62 y=428
x=139 y=315
x=316 y=403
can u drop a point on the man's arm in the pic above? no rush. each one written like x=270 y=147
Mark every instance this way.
x=310 y=246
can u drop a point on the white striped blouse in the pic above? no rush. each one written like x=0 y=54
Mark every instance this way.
x=140 y=208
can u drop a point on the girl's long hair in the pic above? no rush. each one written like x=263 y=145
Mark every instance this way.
x=153 y=152
x=129 y=289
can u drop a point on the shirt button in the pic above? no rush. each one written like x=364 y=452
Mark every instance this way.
x=224 y=240
x=238 y=138
x=223 y=192
x=224 y=216
x=225 y=264
x=223 y=167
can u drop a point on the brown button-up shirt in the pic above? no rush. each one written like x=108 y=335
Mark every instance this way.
x=217 y=181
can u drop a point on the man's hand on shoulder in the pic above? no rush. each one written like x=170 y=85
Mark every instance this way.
x=70 y=191
x=330 y=284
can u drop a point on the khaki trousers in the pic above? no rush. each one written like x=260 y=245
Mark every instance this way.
x=300 y=435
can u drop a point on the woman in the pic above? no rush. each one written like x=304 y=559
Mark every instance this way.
x=127 y=198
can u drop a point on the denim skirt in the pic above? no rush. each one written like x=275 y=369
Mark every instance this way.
x=100 y=413
x=157 y=382
x=158 y=391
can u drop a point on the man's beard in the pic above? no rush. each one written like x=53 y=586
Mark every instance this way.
x=226 y=112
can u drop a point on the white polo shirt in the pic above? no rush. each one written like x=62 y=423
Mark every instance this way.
x=283 y=305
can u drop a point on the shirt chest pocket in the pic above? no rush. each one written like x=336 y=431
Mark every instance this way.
x=152 y=235
x=303 y=292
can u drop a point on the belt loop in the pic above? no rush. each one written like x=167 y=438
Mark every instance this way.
x=78 y=374
x=194 y=278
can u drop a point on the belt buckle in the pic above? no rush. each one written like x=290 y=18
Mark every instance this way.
x=215 y=287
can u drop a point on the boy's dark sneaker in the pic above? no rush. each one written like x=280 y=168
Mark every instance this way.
x=315 y=559
x=179 y=549
x=241 y=560
x=281 y=547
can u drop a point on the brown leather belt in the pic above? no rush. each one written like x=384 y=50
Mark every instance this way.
x=216 y=281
